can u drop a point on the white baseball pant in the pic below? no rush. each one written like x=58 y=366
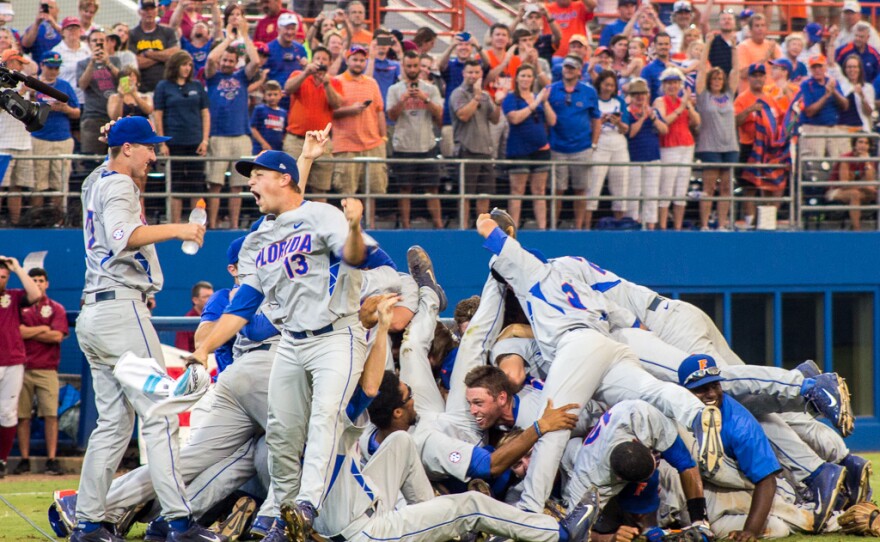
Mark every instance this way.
x=11 y=378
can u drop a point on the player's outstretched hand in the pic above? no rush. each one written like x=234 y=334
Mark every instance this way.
x=485 y=224
x=354 y=211
x=199 y=356
x=742 y=536
x=557 y=419
x=316 y=140
x=191 y=232
x=625 y=533
x=386 y=310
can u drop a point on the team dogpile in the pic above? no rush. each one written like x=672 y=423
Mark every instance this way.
x=567 y=403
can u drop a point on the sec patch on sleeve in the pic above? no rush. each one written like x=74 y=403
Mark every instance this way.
x=454 y=457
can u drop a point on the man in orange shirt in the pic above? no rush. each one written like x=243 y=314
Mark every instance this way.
x=572 y=18
x=359 y=130
x=360 y=31
x=313 y=98
x=757 y=48
x=746 y=108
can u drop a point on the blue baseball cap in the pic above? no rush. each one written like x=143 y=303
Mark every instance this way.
x=814 y=32
x=784 y=63
x=698 y=370
x=51 y=58
x=134 y=130
x=274 y=160
x=234 y=249
x=757 y=68
x=746 y=14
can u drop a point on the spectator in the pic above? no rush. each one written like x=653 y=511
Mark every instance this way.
x=859 y=47
x=644 y=146
x=360 y=33
x=314 y=95
x=682 y=17
x=452 y=71
x=230 y=128
x=676 y=146
x=268 y=121
x=45 y=33
x=533 y=17
x=611 y=146
x=749 y=105
x=336 y=45
x=424 y=39
x=757 y=48
x=524 y=43
x=200 y=42
x=781 y=88
x=87 y=9
x=125 y=56
x=43 y=327
x=153 y=44
x=181 y=113
x=385 y=71
x=529 y=116
x=572 y=18
x=503 y=61
x=852 y=16
x=723 y=46
x=285 y=55
x=187 y=14
x=572 y=138
x=324 y=25
x=127 y=101
x=97 y=76
x=857 y=116
x=12 y=345
x=717 y=140
x=855 y=171
x=474 y=113
x=201 y=293
x=743 y=21
x=54 y=139
x=269 y=27
x=646 y=24
x=72 y=51
x=792 y=49
x=360 y=130
x=651 y=72
x=7 y=14
x=8 y=41
x=416 y=106
x=823 y=104
x=16 y=141
x=577 y=47
x=626 y=9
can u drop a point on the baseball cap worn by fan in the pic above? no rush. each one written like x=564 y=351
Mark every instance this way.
x=133 y=130
x=51 y=58
x=287 y=19
x=784 y=63
x=852 y=5
x=70 y=21
x=147 y=4
x=12 y=54
x=682 y=5
x=6 y=9
x=572 y=61
x=579 y=38
x=273 y=160
x=698 y=370
x=757 y=68
x=531 y=8
x=814 y=32
x=818 y=60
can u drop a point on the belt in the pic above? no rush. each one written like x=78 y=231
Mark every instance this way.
x=341 y=323
x=111 y=295
x=340 y=538
x=656 y=303
x=263 y=347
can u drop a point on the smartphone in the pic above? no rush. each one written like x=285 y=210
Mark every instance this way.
x=414 y=85
x=464 y=36
x=44 y=8
x=321 y=68
x=367 y=103
x=125 y=84
x=386 y=41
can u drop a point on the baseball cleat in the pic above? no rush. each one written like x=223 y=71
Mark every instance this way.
x=825 y=484
x=858 y=478
x=582 y=517
x=707 y=431
x=809 y=369
x=128 y=519
x=101 y=534
x=236 y=524
x=60 y=528
x=830 y=397
x=422 y=270
x=195 y=533
x=298 y=518
x=157 y=530
x=261 y=527
x=275 y=533
x=64 y=501
x=504 y=221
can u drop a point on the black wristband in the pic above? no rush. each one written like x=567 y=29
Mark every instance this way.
x=697 y=509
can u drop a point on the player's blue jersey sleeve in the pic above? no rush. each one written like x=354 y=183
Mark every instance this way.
x=678 y=456
x=746 y=442
x=376 y=257
x=481 y=463
x=446 y=368
x=215 y=306
x=495 y=242
x=358 y=403
x=259 y=329
x=246 y=302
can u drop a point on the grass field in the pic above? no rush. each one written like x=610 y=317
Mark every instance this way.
x=32 y=494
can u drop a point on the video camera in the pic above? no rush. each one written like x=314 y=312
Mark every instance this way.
x=32 y=114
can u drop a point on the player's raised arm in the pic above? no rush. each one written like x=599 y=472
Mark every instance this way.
x=519 y=267
x=313 y=148
x=355 y=250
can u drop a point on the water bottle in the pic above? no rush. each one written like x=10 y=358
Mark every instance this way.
x=197 y=216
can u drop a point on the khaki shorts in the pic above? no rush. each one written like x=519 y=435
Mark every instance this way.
x=321 y=174
x=51 y=174
x=348 y=178
x=44 y=384
x=19 y=173
x=236 y=147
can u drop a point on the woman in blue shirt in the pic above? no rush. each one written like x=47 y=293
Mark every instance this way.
x=644 y=146
x=611 y=147
x=528 y=115
x=181 y=113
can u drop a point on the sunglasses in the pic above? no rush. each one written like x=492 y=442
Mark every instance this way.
x=702 y=373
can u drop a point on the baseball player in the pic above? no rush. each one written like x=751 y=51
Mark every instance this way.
x=122 y=270
x=304 y=261
x=571 y=332
x=617 y=458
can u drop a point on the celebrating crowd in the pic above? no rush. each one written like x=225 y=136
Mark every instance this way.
x=678 y=89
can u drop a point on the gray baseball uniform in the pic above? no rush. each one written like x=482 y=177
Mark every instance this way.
x=296 y=261
x=114 y=320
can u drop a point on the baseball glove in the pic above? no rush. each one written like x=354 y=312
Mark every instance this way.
x=862 y=518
